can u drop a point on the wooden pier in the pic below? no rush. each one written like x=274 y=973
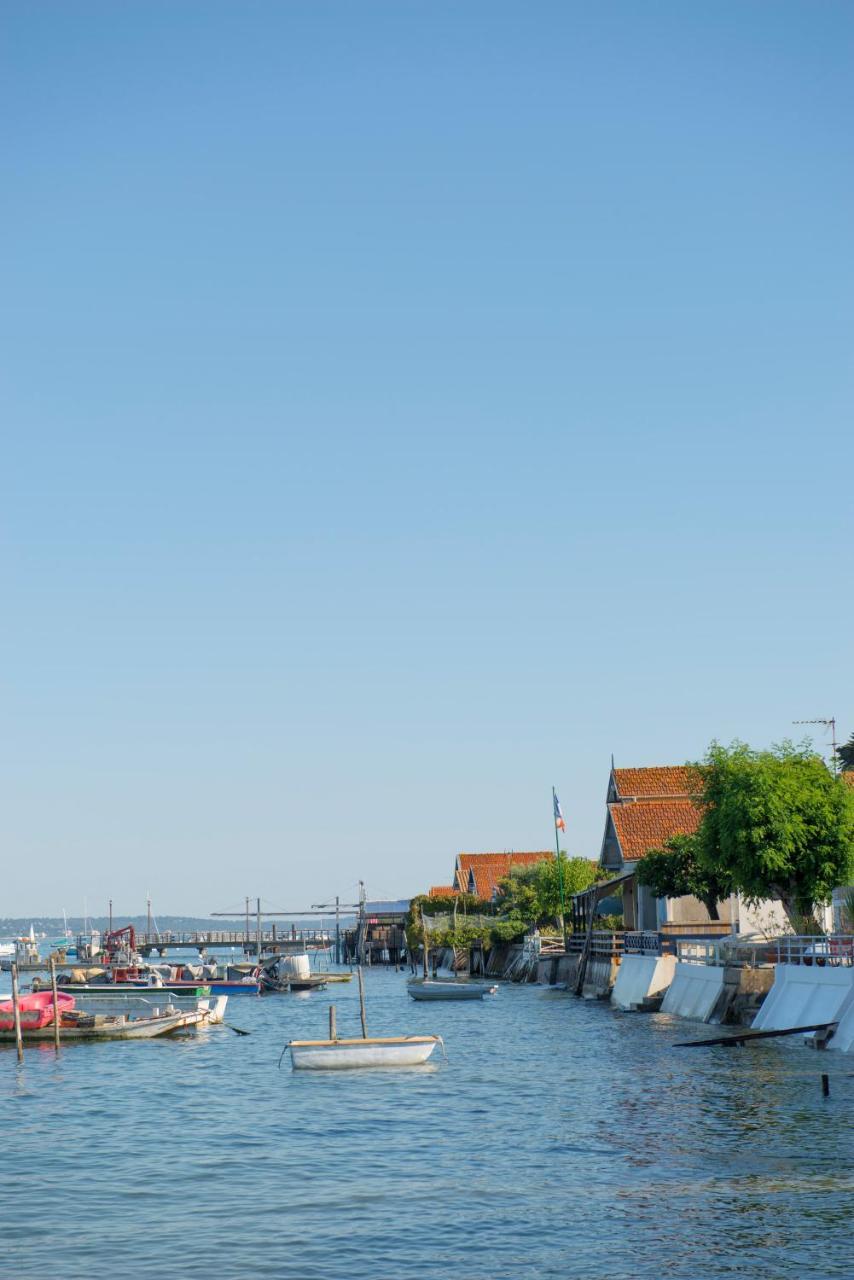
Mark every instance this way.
x=273 y=941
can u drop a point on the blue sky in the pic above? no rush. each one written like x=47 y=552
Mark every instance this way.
x=405 y=406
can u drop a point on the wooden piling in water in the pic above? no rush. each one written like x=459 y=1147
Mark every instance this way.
x=55 y=1004
x=362 y=1004
x=16 y=1013
x=333 y=1030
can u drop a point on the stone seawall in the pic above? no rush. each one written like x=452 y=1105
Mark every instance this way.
x=562 y=971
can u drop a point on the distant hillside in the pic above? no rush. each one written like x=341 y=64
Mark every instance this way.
x=53 y=926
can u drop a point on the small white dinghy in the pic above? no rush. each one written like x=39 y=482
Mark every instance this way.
x=365 y=1051
x=433 y=989
x=387 y=1051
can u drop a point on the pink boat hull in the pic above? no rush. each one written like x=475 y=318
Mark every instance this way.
x=36 y=1010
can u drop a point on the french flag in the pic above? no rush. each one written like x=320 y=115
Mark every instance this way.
x=560 y=825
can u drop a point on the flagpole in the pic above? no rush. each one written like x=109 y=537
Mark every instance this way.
x=559 y=868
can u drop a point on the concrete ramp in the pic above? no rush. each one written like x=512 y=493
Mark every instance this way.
x=640 y=976
x=843 y=1037
x=694 y=991
x=804 y=994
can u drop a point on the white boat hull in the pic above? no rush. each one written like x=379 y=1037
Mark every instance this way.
x=110 y=1001
x=421 y=990
x=334 y=1055
x=118 y=1028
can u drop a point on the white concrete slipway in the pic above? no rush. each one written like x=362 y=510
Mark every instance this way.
x=694 y=991
x=805 y=994
x=640 y=976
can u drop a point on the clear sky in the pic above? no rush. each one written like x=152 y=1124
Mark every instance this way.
x=404 y=406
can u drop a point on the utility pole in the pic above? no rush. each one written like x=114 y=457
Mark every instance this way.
x=831 y=725
x=361 y=934
x=258 y=923
x=111 y=916
x=560 y=825
x=148 y=929
x=246 y=948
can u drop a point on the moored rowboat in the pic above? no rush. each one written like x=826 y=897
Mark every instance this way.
x=429 y=989
x=144 y=1003
x=35 y=1011
x=105 y=1027
x=388 y=1051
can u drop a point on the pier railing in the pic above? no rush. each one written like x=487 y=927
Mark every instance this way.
x=235 y=938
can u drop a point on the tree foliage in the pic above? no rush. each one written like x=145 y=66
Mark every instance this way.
x=675 y=870
x=461 y=903
x=472 y=920
x=534 y=892
x=775 y=824
x=845 y=755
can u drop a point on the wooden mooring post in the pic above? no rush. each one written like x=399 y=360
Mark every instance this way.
x=333 y=1030
x=585 y=952
x=16 y=1013
x=55 y=1004
x=362 y=1004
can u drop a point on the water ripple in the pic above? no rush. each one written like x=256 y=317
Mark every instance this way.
x=561 y=1139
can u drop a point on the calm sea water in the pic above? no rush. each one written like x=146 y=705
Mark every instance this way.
x=561 y=1138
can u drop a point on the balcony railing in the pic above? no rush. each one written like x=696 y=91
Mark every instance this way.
x=698 y=952
x=643 y=942
x=833 y=949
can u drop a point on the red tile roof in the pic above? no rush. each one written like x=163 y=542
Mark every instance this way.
x=657 y=781
x=488 y=868
x=442 y=891
x=647 y=824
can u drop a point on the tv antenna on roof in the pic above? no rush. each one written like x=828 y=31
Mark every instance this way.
x=831 y=725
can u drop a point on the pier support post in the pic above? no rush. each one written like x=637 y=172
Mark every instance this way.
x=55 y=1004
x=16 y=1012
x=362 y=1004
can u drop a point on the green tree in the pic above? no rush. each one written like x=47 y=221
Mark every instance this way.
x=675 y=870
x=845 y=755
x=775 y=824
x=533 y=892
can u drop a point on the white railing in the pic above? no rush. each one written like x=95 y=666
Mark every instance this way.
x=832 y=949
x=698 y=952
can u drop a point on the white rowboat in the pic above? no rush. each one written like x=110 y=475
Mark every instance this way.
x=106 y=1027
x=427 y=989
x=389 y=1051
